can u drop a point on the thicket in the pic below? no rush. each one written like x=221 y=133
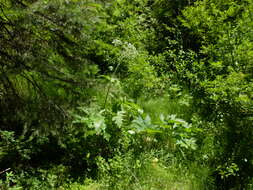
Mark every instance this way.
x=126 y=94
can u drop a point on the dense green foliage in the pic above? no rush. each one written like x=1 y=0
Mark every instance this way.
x=126 y=94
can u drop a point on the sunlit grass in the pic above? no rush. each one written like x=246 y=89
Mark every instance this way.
x=155 y=173
x=167 y=106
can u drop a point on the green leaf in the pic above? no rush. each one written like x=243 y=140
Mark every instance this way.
x=119 y=118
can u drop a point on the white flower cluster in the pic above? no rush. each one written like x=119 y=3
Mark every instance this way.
x=129 y=50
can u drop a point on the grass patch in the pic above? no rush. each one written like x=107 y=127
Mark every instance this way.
x=151 y=173
x=167 y=106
